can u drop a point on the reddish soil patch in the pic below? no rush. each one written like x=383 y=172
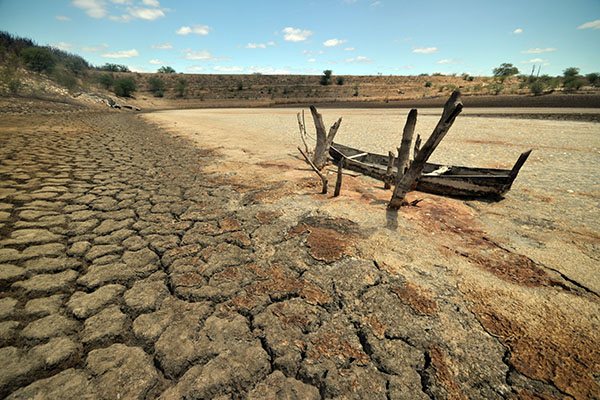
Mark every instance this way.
x=440 y=363
x=418 y=298
x=332 y=345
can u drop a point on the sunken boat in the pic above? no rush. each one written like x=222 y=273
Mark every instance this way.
x=447 y=180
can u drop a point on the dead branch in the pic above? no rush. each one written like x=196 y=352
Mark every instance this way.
x=324 y=139
x=338 y=182
x=452 y=108
x=302 y=127
x=407 y=135
x=323 y=178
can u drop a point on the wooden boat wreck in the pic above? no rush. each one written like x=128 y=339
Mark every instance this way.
x=448 y=180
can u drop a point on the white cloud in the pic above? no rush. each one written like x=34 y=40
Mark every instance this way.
x=123 y=2
x=296 y=35
x=349 y=49
x=590 y=25
x=447 y=61
x=426 y=50
x=203 y=55
x=162 y=46
x=376 y=3
x=312 y=60
x=517 y=31
x=65 y=46
x=333 y=42
x=359 y=59
x=156 y=62
x=149 y=14
x=256 y=46
x=95 y=49
x=121 y=18
x=122 y=54
x=138 y=69
x=151 y=3
x=537 y=50
x=404 y=67
x=534 y=61
x=194 y=68
x=93 y=8
x=228 y=69
x=269 y=70
x=197 y=29
x=271 y=43
x=62 y=18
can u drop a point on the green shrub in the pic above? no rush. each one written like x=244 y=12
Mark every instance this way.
x=496 y=88
x=180 y=87
x=240 y=85
x=537 y=88
x=428 y=84
x=39 y=59
x=326 y=77
x=65 y=79
x=124 y=87
x=355 y=90
x=10 y=77
x=157 y=86
x=106 y=80
x=593 y=79
x=166 y=70
x=340 y=80
x=575 y=84
x=114 y=68
x=76 y=65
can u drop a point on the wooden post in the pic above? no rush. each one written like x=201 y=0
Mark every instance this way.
x=452 y=108
x=388 y=172
x=407 y=135
x=417 y=146
x=323 y=178
x=324 y=140
x=338 y=182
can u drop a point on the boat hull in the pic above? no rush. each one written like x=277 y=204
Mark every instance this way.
x=455 y=181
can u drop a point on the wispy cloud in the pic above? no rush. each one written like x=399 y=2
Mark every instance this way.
x=296 y=35
x=194 y=68
x=517 y=31
x=312 y=60
x=138 y=69
x=122 y=2
x=376 y=3
x=349 y=49
x=121 y=18
x=228 y=69
x=334 y=42
x=197 y=29
x=62 y=18
x=359 y=59
x=162 y=46
x=447 y=61
x=122 y=54
x=95 y=49
x=426 y=50
x=590 y=25
x=151 y=3
x=256 y=46
x=537 y=50
x=65 y=46
x=269 y=70
x=271 y=43
x=203 y=55
x=156 y=62
x=149 y=14
x=93 y=8
x=534 y=61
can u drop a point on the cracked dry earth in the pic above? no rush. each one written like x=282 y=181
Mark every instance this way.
x=130 y=268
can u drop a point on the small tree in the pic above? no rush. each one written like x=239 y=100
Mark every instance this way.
x=76 y=65
x=115 y=68
x=157 y=86
x=505 y=70
x=106 y=80
x=571 y=79
x=166 y=70
x=39 y=59
x=326 y=78
x=593 y=79
x=180 y=87
x=240 y=85
x=124 y=87
x=537 y=88
x=340 y=80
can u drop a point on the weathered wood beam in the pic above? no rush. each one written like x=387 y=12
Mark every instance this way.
x=388 y=173
x=323 y=178
x=338 y=182
x=324 y=139
x=407 y=135
x=452 y=108
x=417 y=145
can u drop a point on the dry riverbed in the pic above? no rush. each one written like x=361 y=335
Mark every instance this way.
x=197 y=259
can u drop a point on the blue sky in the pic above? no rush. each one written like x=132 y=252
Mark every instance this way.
x=353 y=37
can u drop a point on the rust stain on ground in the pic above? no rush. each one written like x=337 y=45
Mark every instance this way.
x=329 y=238
x=331 y=345
x=418 y=298
x=545 y=343
x=440 y=363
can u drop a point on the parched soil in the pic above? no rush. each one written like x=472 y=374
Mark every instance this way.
x=139 y=259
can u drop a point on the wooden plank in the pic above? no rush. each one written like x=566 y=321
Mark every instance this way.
x=452 y=108
x=338 y=182
x=356 y=156
x=388 y=173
